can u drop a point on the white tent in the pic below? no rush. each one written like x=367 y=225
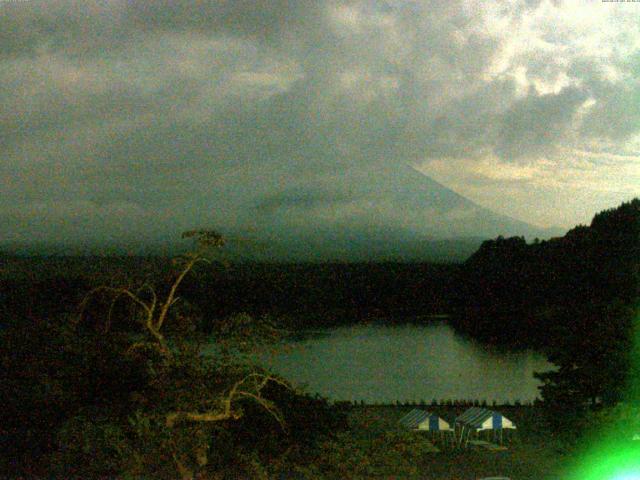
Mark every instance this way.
x=478 y=419
x=422 y=420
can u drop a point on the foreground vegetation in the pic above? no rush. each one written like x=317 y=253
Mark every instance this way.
x=120 y=388
x=103 y=376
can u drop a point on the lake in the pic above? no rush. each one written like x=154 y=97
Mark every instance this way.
x=383 y=364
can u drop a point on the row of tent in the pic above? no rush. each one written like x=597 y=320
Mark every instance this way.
x=473 y=420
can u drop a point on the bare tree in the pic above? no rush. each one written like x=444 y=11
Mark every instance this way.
x=222 y=405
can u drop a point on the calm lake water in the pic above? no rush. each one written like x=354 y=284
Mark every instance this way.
x=407 y=362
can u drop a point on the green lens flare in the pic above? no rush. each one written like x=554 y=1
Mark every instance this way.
x=613 y=454
x=618 y=462
x=627 y=476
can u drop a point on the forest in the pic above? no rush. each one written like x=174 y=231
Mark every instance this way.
x=573 y=297
x=102 y=372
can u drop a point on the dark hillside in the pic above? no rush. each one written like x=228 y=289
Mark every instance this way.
x=508 y=287
x=573 y=297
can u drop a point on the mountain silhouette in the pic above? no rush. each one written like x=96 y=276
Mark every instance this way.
x=383 y=213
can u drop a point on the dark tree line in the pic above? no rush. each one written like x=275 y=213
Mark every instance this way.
x=308 y=295
x=313 y=295
x=573 y=297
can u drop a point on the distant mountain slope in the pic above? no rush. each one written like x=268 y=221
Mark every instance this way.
x=377 y=214
x=356 y=213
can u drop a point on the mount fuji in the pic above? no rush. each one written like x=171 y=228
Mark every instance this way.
x=373 y=214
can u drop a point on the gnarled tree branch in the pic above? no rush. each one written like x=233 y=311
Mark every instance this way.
x=227 y=412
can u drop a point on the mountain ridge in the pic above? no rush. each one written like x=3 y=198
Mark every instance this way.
x=381 y=213
x=386 y=213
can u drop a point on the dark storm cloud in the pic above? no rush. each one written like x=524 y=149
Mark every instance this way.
x=122 y=110
x=266 y=20
x=72 y=26
x=304 y=199
x=467 y=127
x=80 y=27
x=616 y=115
x=536 y=123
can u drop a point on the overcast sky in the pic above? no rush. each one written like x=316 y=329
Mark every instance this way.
x=131 y=119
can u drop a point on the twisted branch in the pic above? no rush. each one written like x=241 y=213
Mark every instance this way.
x=235 y=393
x=170 y=298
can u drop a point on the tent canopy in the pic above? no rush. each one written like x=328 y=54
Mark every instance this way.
x=482 y=419
x=422 y=420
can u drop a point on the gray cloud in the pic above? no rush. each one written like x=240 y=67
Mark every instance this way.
x=297 y=198
x=537 y=123
x=616 y=114
x=150 y=107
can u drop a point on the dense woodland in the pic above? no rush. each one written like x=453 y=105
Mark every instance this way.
x=573 y=297
x=96 y=381
x=309 y=294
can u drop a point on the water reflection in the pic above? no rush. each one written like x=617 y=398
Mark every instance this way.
x=379 y=363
